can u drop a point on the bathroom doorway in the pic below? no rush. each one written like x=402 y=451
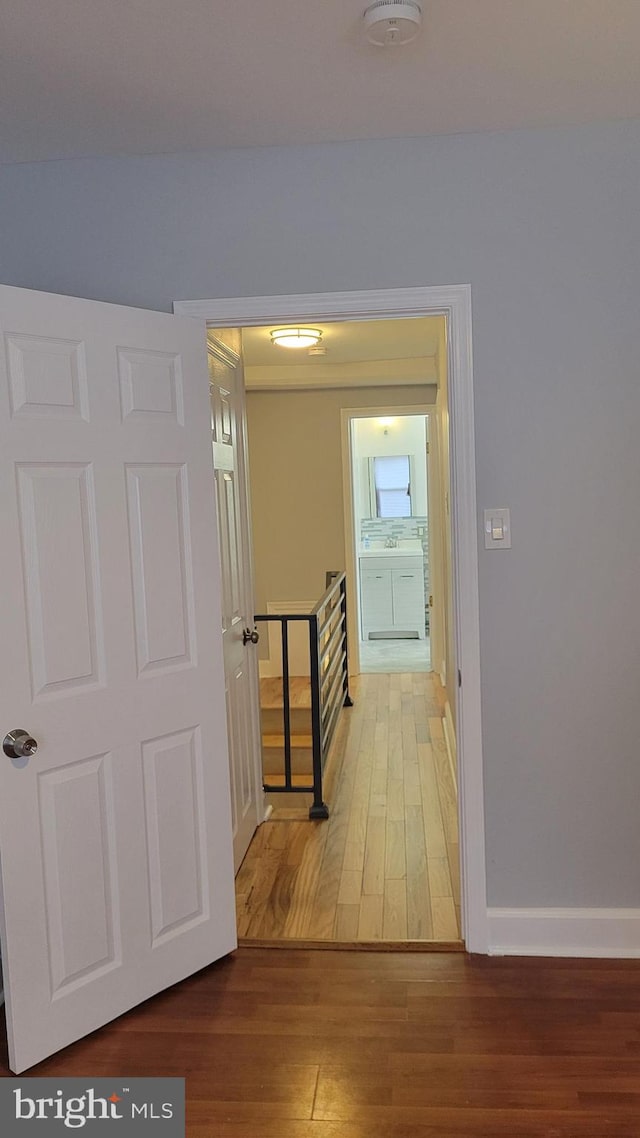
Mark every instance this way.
x=390 y=539
x=396 y=495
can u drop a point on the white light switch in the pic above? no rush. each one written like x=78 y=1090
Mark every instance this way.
x=497 y=529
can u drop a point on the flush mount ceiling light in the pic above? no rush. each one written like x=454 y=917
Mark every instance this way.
x=389 y=23
x=296 y=337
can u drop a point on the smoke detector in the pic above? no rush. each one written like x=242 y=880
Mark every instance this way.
x=391 y=22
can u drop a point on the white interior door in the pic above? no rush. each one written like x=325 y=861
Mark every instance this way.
x=115 y=837
x=228 y=429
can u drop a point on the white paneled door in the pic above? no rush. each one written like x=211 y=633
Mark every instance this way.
x=115 y=835
x=228 y=431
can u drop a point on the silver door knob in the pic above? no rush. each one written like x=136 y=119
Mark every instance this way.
x=19 y=744
x=250 y=636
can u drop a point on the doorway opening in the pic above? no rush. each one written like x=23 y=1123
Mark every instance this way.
x=462 y=630
x=392 y=536
x=384 y=867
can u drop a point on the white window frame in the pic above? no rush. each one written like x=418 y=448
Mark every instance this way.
x=373 y=489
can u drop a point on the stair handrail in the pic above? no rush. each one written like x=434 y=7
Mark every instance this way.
x=328 y=660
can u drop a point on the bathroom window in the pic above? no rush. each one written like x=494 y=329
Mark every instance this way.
x=390 y=481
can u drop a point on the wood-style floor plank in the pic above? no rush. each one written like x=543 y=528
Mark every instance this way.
x=392 y=832
x=307 y=1044
x=394 y=912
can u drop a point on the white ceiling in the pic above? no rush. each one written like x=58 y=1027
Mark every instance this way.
x=349 y=342
x=105 y=77
x=365 y=353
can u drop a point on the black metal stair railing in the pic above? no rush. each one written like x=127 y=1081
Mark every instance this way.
x=329 y=682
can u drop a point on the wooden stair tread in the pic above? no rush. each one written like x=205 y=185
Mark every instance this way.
x=296 y=741
x=303 y=781
x=271 y=692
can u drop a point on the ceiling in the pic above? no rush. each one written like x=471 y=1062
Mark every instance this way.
x=349 y=342
x=365 y=353
x=108 y=77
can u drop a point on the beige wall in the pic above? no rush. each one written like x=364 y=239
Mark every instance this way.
x=295 y=464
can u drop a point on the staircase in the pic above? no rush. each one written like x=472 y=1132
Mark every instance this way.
x=272 y=729
x=299 y=715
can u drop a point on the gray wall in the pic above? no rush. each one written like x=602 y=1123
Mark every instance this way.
x=545 y=226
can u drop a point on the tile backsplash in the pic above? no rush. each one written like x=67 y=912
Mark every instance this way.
x=399 y=528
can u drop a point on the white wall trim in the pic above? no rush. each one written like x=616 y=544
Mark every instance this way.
x=369 y=304
x=449 y=731
x=564 y=932
x=454 y=302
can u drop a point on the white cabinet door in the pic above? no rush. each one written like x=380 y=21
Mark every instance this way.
x=376 y=601
x=407 y=586
x=117 y=873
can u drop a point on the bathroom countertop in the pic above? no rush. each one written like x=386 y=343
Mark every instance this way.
x=407 y=548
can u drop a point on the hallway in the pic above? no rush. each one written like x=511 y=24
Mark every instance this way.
x=385 y=866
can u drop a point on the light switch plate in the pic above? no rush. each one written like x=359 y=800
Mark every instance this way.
x=497 y=528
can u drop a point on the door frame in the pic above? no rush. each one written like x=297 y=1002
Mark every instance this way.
x=454 y=303
x=437 y=488
x=347 y=416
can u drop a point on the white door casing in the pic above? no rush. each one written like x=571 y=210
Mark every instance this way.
x=228 y=429
x=437 y=584
x=453 y=302
x=115 y=838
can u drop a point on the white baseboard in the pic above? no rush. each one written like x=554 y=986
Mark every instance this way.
x=564 y=932
x=450 y=739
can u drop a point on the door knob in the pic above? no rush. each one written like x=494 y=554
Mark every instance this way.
x=249 y=636
x=19 y=744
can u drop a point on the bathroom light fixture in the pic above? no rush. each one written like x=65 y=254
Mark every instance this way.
x=296 y=337
x=390 y=23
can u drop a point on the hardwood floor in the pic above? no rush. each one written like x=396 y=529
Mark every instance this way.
x=385 y=864
x=301 y=1044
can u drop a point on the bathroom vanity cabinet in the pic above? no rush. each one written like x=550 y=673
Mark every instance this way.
x=392 y=593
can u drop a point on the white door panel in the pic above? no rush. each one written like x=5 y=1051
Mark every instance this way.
x=240 y=659
x=115 y=838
